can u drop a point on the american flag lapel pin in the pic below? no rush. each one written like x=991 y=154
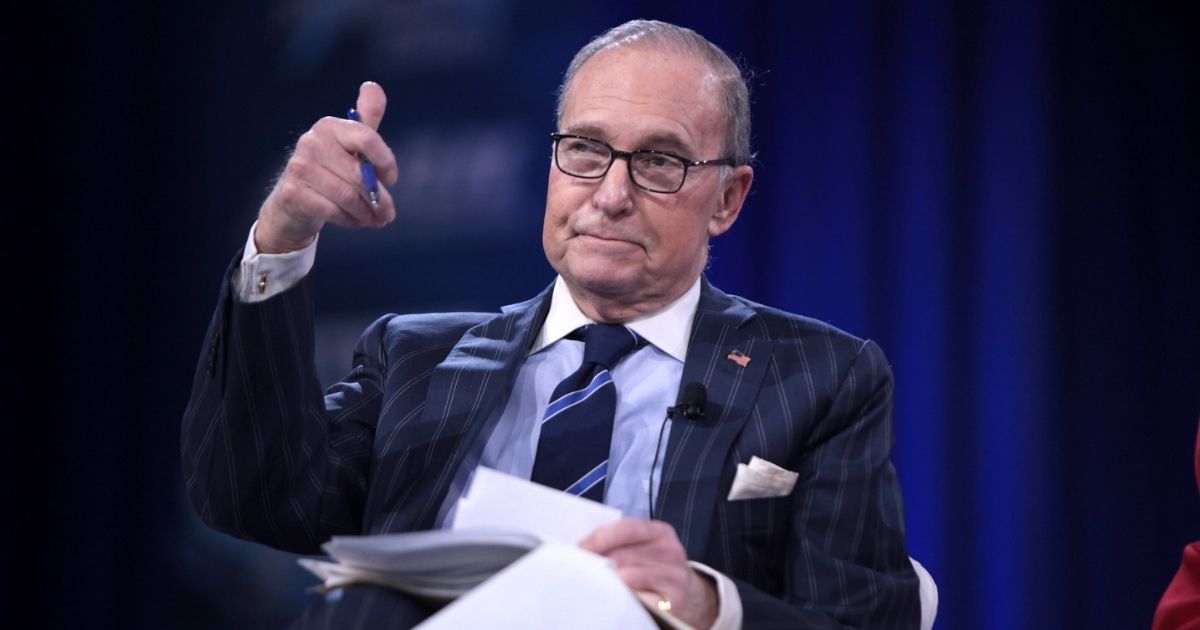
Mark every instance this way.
x=739 y=357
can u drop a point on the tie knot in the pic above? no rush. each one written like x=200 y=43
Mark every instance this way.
x=607 y=344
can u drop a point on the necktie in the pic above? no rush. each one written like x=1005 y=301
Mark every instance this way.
x=572 y=451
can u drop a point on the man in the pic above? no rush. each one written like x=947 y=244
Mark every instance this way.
x=650 y=161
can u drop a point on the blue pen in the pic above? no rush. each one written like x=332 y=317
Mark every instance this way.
x=370 y=182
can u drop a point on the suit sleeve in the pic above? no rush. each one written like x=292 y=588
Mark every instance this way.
x=845 y=562
x=266 y=455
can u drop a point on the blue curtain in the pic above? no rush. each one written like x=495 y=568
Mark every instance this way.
x=906 y=196
x=1003 y=196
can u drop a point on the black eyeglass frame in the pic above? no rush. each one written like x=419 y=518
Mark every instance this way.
x=628 y=157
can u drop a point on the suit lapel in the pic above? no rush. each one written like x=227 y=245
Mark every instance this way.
x=728 y=353
x=467 y=392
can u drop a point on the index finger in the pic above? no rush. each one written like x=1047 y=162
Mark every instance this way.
x=624 y=533
x=371 y=104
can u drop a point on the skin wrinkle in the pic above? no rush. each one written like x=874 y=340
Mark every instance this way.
x=622 y=251
x=659 y=141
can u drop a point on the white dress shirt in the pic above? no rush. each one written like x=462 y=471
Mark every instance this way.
x=646 y=381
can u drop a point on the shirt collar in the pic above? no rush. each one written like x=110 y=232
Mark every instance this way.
x=668 y=329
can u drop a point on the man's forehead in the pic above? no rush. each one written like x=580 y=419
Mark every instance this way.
x=652 y=96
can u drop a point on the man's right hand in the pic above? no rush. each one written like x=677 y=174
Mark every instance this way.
x=322 y=181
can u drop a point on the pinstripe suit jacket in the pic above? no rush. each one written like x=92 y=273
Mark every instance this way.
x=268 y=457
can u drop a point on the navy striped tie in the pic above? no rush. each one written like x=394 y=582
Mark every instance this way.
x=572 y=451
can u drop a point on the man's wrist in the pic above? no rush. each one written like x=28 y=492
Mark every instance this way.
x=261 y=275
x=728 y=611
x=276 y=245
x=709 y=600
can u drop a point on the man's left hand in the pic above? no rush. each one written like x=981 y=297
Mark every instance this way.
x=651 y=561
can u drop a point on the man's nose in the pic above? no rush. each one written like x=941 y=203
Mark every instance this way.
x=614 y=195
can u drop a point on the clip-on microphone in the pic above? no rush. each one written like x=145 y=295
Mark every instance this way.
x=691 y=405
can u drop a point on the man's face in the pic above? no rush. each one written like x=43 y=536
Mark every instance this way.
x=610 y=240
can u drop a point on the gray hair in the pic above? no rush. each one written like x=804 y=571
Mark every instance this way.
x=735 y=93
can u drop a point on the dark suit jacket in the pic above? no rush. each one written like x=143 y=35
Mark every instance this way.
x=268 y=457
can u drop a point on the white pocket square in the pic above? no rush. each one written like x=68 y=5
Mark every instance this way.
x=761 y=479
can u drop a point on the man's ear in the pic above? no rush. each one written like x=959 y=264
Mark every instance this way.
x=733 y=195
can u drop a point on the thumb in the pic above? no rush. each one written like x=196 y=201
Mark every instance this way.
x=371 y=104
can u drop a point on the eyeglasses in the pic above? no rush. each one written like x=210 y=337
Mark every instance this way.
x=655 y=171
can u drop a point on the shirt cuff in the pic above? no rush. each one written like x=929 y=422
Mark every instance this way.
x=261 y=277
x=729 y=603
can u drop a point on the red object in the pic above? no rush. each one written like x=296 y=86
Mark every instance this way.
x=740 y=358
x=1179 y=608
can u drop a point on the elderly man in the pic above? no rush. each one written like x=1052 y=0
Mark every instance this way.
x=650 y=160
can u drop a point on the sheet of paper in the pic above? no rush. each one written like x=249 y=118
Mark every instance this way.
x=495 y=500
x=555 y=586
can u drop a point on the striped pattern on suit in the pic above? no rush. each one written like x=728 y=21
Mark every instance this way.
x=268 y=457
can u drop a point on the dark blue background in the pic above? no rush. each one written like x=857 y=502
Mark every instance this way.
x=1004 y=195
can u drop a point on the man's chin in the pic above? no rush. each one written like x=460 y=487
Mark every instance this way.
x=606 y=282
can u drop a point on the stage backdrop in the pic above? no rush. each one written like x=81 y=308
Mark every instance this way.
x=1003 y=194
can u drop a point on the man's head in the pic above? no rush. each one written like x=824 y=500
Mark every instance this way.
x=734 y=94
x=624 y=250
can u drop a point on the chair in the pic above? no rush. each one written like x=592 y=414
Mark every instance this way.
x=929 y=595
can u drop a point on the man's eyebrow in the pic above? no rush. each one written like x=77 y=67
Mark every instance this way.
x=590 y=131
x=665 y=142
x=657 y=141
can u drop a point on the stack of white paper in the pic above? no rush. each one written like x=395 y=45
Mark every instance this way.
x=497 y=523
x=499 y=519
x=554 y=586
x=438 y=565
